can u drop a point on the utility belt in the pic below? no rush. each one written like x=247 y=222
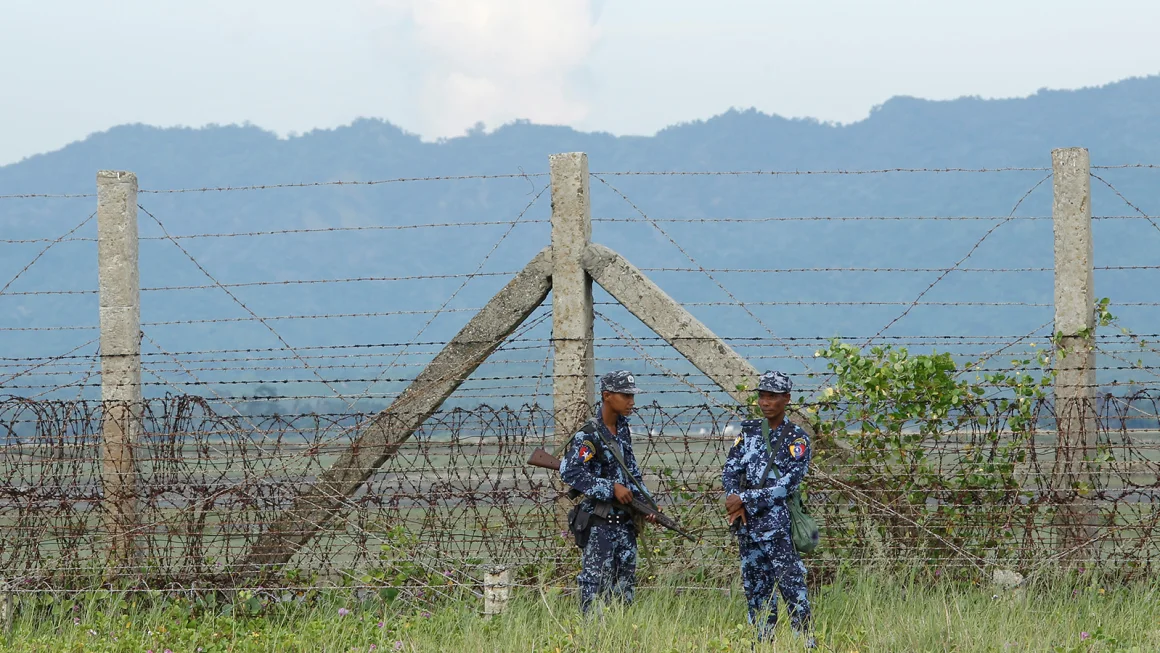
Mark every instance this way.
x=614 y=517
x=580 y=521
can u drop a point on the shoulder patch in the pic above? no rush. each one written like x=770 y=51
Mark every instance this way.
x=798 y=448
x=737 y=441
x=586 y=451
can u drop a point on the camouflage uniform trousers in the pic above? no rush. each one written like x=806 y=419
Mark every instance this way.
x=608 y=564
x=769 y=566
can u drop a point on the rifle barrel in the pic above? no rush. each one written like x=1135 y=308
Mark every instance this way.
x=541 y=458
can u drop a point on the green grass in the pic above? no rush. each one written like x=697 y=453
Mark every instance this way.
x=858 y=612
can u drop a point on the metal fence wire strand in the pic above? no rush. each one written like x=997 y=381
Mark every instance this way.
x=235 y=433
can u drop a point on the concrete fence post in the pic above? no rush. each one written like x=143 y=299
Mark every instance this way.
x=1075 y=381
x=497 y=591
x=120 y=319
x=7 y=609
x=573 y=388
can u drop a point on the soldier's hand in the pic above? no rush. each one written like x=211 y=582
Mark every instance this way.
x=622 y=494
x=734 y=508
x=652 y=519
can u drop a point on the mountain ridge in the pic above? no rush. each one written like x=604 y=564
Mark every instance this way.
x=723 y=221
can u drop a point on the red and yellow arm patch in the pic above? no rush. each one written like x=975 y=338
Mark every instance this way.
x=798 y=448
x=585 y=452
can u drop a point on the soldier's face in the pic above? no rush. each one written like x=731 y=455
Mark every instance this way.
x=772 y=404
x=620 y=403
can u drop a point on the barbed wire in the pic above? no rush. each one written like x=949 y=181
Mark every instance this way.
x=682 y=250
x=491 y=223
x=462 y=491
x=959 y=262
x=842 y=218
x=44 y=251
x=622 y=173
x=33 y=293
x=977 y=560
x=312 y=230
x=526 y=175
x=197 y=363
x=315 y=230
x=422 y=277
x=317 y=184
x=22 y=196
x=240 y=303
x=295 y=282
x=52 y=362
x=25 y=241
x=76 y=327
x=889 y=269
x=316 y=316
x=476 y=309
x=31 y=368
x=530 y=379
x=819 y=218
x=794 y=173
x=693 y=415
x=463 y=285
x=1126 y=201
x=460 y=487
x=1122 y=166
x=546 y=341
x=977 y=365
x=877 y=303
x=344 y=500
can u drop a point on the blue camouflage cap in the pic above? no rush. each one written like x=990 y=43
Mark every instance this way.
x=620 y=381
x=776 y=382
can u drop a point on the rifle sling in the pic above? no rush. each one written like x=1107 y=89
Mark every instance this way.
x=619 y=455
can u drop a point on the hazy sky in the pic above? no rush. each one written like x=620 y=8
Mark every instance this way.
x=435 y=67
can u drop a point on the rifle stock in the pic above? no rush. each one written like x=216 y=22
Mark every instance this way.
x=541 y=458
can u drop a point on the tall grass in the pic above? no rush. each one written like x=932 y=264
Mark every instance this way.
x=857 y=612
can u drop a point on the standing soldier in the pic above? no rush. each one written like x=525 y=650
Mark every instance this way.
x=600 y=464
x=756 y=488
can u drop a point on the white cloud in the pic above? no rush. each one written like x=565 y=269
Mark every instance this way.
x=493 y=61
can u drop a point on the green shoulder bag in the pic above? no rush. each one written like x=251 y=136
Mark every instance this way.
x=803 y=528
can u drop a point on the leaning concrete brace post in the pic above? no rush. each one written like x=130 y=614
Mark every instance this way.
x=1075 y=381
x=670 y=321
x=381 y=436
x=573 y=391
x=676 y=326
x=120 y=319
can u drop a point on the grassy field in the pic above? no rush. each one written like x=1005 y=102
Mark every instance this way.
x=856 y=613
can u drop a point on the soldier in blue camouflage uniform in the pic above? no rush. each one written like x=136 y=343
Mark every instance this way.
x=759 y=515
x=608 y=563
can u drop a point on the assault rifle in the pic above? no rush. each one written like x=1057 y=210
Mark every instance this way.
x=541 y=458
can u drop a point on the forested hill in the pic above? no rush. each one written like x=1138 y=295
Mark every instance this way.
x=1118 y=123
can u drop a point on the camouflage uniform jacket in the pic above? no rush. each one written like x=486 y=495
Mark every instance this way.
x=765 y=509
x=590 y=467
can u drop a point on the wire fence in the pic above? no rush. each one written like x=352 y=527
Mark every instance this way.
x=460 y=497
x=278 y=318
